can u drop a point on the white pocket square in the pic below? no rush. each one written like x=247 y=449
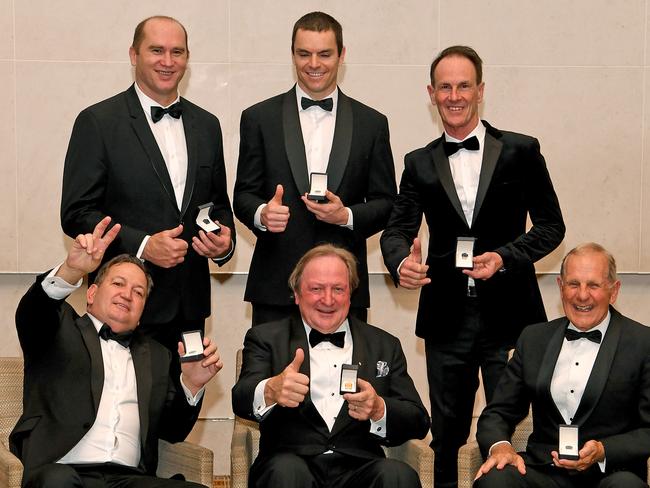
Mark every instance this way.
x=382 y=369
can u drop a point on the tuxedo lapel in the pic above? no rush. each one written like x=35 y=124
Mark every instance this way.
x=341 y=143
x=491 y=153
x=547 y=367
x=441 y=163
x=149 y=144
x=91 y=341
x=141 y=356
x=192 y=142
x=600 y=371
x=293 y=143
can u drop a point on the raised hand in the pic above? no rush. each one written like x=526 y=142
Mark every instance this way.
x=412 y=273
x=288 y=389
x=274 y=215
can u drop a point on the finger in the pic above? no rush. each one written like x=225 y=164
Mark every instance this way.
x=181 y=349
x=298 y=358
x=416 y=253
x=277 y=196
x=101 y=227
x=175 y=232
x=111 y=234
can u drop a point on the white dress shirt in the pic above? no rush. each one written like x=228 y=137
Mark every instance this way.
x=325 y=362
x=115 y=435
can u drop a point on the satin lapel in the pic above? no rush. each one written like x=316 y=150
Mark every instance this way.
x=298 y=339
x=191 y=140
x=599 y=372
x=91 y=340
x=366 y=371
x=547 y=367
x=491 y=153
x=149 y=144
x=441 y=163
x=341 y=143
x=293 y=143
x=141 y=356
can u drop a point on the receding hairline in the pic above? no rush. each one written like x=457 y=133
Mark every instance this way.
x=139 y=33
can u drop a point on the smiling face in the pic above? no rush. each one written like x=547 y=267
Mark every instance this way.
x=456 y=95
x=160 y=60
x=323 y=295
x=120 y=297
x=586 y=290
x=316 y=58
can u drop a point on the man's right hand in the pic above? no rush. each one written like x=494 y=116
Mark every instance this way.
x=275 y=216
x=165 y=249
x=502 y=455
x=288 y=389
x=412 y=273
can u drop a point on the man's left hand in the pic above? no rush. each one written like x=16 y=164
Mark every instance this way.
x=197 y=373
x=211 y=245
x=365 y=404
x=591 y=453
x=332 y=212
x=485 y=265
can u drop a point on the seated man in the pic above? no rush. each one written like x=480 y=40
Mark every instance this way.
x=590 y=369
x=313 y=434
x=98 y=396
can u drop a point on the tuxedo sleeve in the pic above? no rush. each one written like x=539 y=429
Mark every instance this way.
x=543 y=208
x=404 y=222
x=84 y=184
x=509 y=406
x=372 y=214
x=249 y=185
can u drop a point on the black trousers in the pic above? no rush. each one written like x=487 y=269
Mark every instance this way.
x=452 y=371
x=107 y=475
x=271 y=313
x=335 y=470
x=552 y=477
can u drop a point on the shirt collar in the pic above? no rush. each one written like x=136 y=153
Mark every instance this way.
x=301 y=93
x=479 y=132
x=147 y=102
x=602 y=327
x=96 y=322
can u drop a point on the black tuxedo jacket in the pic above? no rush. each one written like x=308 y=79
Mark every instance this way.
x=615 y=407
x=269 y=348
x=114 y=167
x=360 y=171
x=64 y=376
x=514 y=184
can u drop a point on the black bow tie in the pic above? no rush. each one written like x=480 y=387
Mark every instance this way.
x=326 y=104
x=470 y=144
x=593 y=336
x=107 y=333
x=337 y=338
x=175 y=110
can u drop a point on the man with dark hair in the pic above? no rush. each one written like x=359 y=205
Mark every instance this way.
x=588 y=371
x=150 y=158
x=476 y=186
x=316 y=430
x=311 y=133
x=98 y=395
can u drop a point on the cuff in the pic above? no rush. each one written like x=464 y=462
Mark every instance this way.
x=192 y=400
x=56 y=287
x=257 y=218
x=260 y=408
x=379 y=427
x=141 y=248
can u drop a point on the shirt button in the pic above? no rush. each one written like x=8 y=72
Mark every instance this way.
x=378 y=429
x=332 y=394
x=571 y=391
x=577 y=364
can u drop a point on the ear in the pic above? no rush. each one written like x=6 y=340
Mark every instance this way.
x=132 y=55
x=615 y=289
x=342 y=56
x=432 y=91
x=90 y=294
x=559 y=283
x=480 y=92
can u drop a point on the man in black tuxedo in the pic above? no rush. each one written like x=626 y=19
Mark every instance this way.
x=313 y=128
x=590 y=369
x=315 y=431
x=99 y=396
x=150 y=168
x=476 y=185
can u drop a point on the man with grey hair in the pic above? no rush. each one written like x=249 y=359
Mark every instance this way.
x=320 y=428
x=588 y=371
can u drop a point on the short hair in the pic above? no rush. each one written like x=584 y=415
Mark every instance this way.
x=596 y=248
x=123 y=259
x=138 y=34
x=320 y=251
x=319 y=22
x=463 y=51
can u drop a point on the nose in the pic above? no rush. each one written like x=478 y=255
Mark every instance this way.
x=583 y=293
x=328 y=297
x=313 y=61
x=166 y=59
x=127 y=293
x=454 y=95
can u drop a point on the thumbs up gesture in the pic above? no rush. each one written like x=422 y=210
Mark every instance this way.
x=288 y=389
x=166 y=248
x=274 y=215
x=412 y=273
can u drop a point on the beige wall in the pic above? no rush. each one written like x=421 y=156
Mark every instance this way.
x=574 y=74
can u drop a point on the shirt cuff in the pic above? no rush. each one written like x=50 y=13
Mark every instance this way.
x=260 y=408
x=227 y=256
x=257 y=218
x=379 y=427
x=141 y=248
x=399 y=268
x=350 y=223
x=496 y=444
x=56 y=287
x=192 y=400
